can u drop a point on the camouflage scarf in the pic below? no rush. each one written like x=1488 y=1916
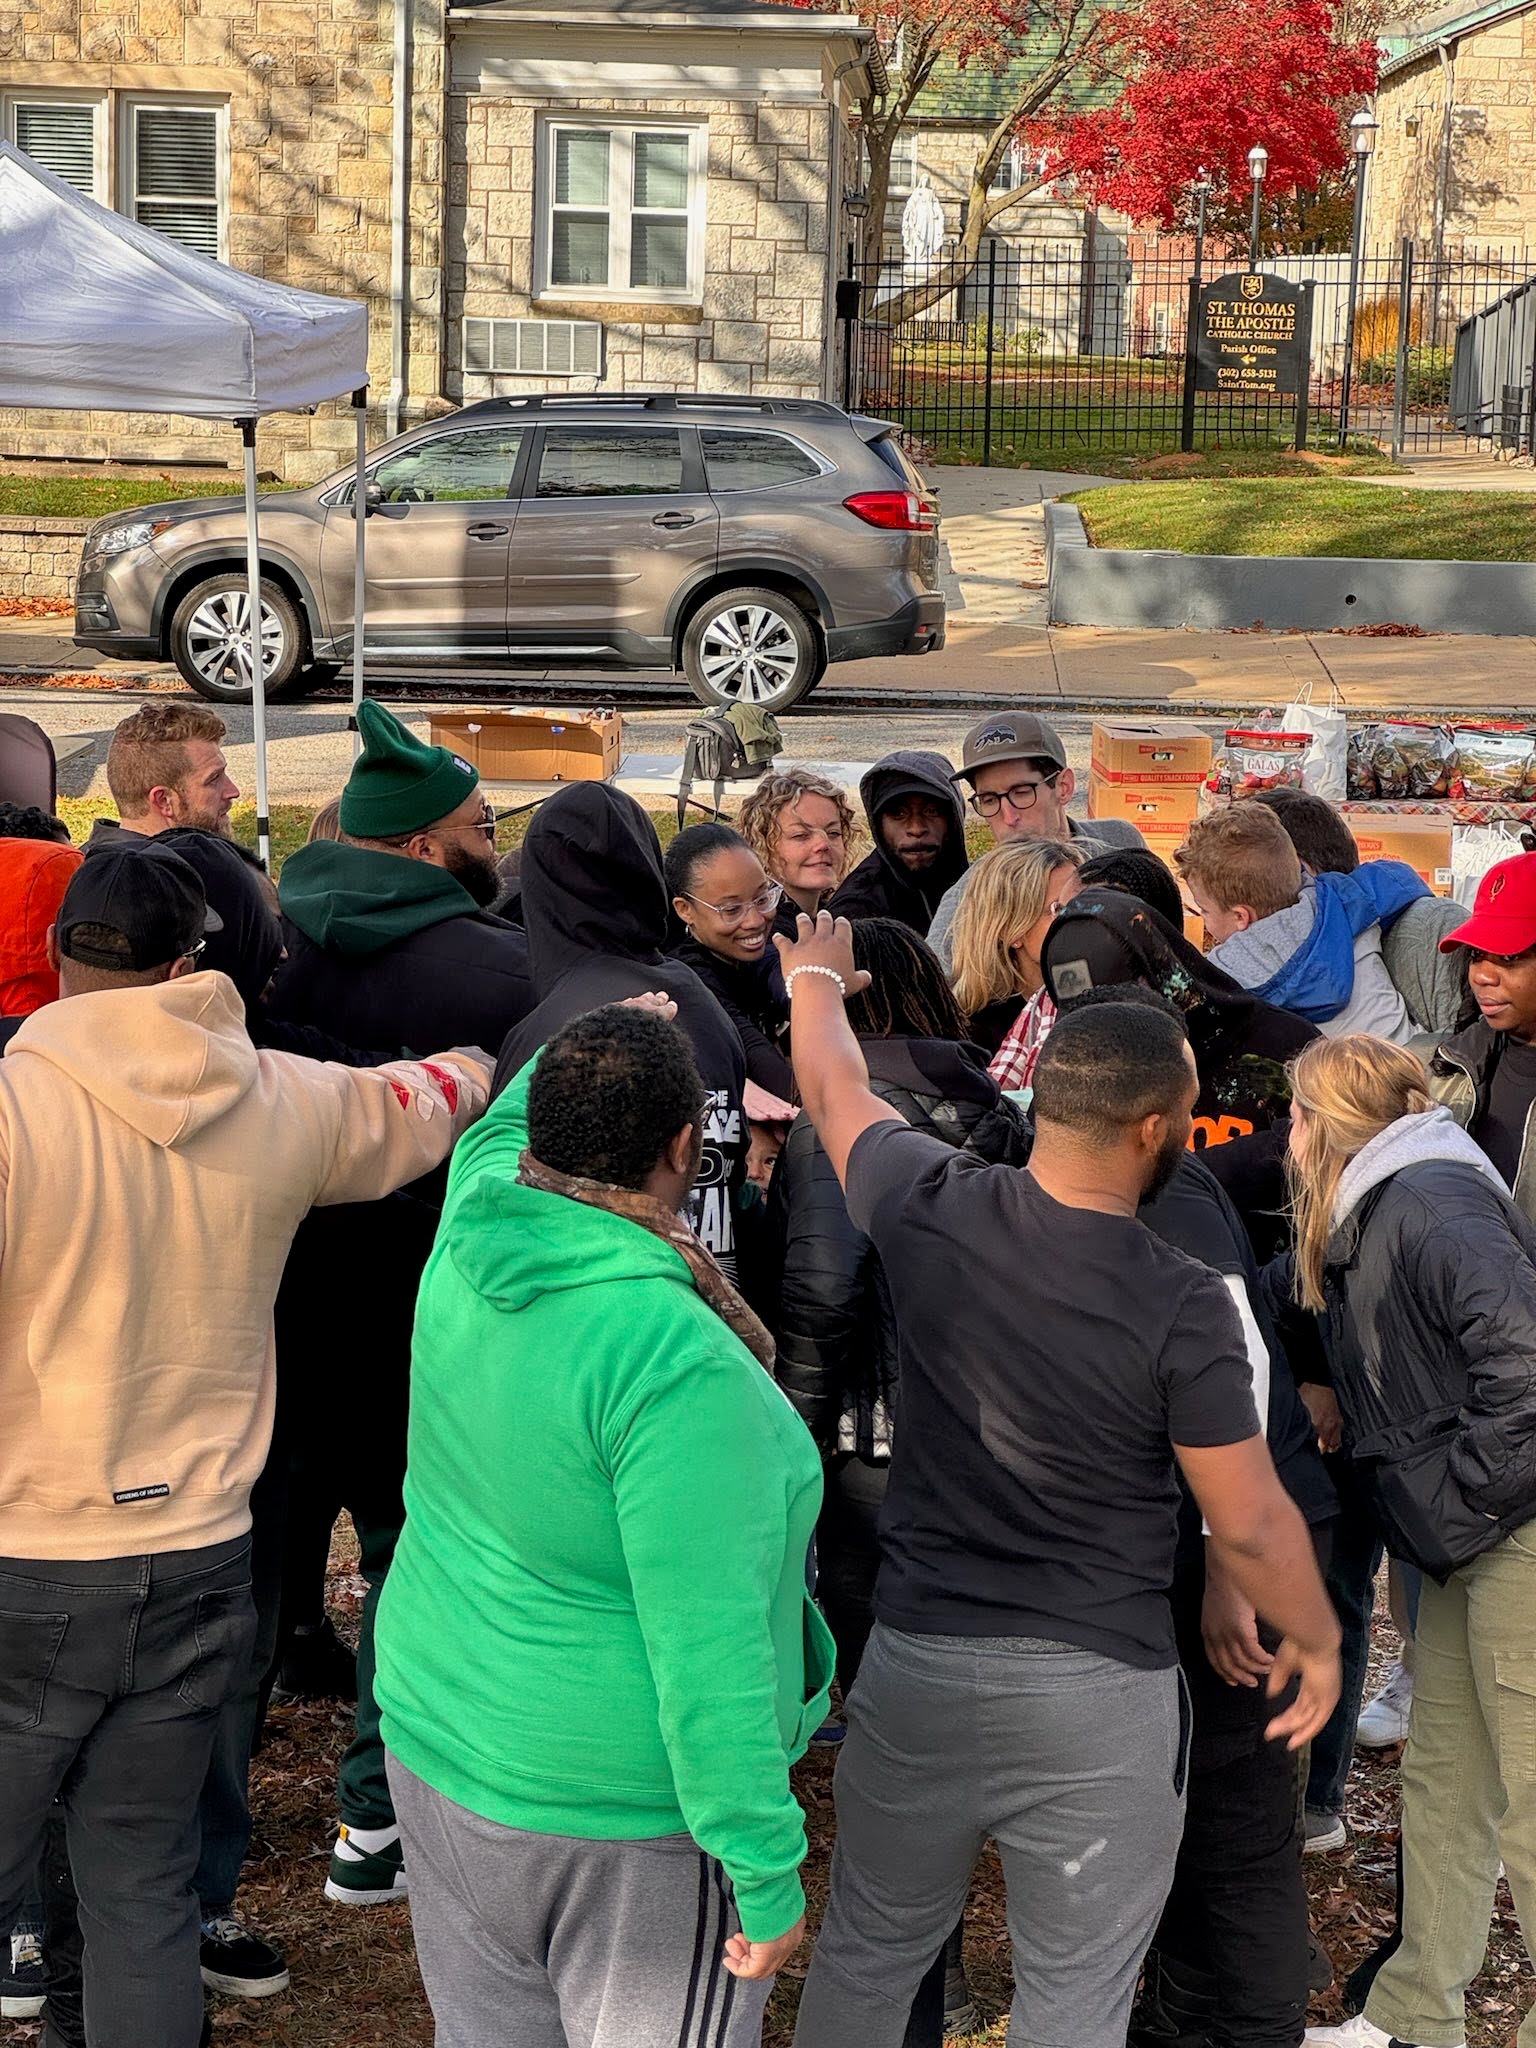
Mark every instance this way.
x=664 y=1223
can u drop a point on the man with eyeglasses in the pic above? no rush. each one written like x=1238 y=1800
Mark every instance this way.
x=390 y=942
x=1016 y=765
x=154 y=1166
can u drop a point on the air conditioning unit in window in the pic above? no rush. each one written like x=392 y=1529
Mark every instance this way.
x=533 y=348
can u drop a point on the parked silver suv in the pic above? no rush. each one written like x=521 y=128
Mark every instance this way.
x=743 y=542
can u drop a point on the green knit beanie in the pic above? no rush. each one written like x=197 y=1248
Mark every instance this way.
x=399 y=784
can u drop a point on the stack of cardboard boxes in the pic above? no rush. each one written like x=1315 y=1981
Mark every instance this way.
x=1151 y=773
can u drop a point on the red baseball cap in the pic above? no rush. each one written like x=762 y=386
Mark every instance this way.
x=1503 y=916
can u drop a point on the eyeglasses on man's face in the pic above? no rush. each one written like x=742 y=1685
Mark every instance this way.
x=731 y=914
x=1021 y=796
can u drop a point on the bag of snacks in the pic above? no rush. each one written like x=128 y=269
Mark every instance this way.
x=1397 y=759
x=1494 y=763
x=1251 y=759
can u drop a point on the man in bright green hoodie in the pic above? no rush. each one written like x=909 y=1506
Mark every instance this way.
x=597 y=1655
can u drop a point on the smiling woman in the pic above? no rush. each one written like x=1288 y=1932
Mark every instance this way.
x=726 y=905
x=801 y=828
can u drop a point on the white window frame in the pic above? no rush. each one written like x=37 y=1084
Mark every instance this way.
x=621 y=210
x=131 y=106
x=51 y=96
x=904 y=145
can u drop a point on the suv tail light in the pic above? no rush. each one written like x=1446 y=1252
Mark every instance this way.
x=895 y=511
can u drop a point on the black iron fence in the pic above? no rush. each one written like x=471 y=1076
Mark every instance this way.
x=1045 y=347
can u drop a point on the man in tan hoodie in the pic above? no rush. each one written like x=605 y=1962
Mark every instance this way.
x=153 y=1169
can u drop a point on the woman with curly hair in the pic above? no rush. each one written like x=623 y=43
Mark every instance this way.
x=801 y=827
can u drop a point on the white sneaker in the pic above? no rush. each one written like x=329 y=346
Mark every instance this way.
x=1356 y=2033
x=1384 y=1722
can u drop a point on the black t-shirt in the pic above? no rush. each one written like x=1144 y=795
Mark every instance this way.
x=1050 y=1357
x=1500 y=1130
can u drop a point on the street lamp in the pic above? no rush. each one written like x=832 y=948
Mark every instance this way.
x=1202 y=188
x=1258 y=164
x=1362 y=140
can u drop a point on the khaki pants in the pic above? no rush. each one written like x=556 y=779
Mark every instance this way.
x=1469 y=1791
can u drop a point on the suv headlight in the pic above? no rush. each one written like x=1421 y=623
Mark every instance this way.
x=125 y=534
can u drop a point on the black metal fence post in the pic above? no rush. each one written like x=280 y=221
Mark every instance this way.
x=986 y=415
x=1191 y=347
x=1304 y=393
x=1404 y=338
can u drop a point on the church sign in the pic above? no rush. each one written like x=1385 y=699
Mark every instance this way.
x=1252 y=336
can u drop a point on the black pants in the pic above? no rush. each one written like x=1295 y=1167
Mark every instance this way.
x=113 y=1675
x=1235 y=1927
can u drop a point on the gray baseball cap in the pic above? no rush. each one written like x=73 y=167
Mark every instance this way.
x=1009 y=736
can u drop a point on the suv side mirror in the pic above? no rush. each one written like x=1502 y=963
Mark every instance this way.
x=373 y=497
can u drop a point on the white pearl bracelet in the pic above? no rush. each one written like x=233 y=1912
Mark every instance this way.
x=830 y=972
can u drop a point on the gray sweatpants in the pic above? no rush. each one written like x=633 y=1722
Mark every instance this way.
x=1073 y=1763
x=547 y=1941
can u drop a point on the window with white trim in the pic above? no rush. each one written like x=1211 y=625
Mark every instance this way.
x=622 y=212
x=172 y=166
x=65 y=133
x=903 y=163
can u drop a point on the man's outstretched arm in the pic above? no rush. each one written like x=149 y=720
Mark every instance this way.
x=829 y=1067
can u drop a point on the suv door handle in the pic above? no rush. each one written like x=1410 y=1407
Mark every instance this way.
x=674 y=521
x=486 y=530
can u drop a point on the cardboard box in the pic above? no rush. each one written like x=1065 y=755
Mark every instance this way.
x=1151 y=751
x=1424 y=843
x=1149 y=806
x=534 y=746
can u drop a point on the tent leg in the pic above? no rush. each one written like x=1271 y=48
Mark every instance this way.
x=359 y=586
x=258 y=660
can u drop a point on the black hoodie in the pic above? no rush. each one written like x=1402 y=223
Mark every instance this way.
x=595 y=910
x=880 y=886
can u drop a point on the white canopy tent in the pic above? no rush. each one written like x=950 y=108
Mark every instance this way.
x=99 y=313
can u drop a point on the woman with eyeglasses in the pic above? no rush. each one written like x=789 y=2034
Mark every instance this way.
x=801 y=827
x=1014 y=895
x=726 y=905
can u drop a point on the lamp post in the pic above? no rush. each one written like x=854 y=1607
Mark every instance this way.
x=1258 y=164
x=1202 y=197
x=1362 y=140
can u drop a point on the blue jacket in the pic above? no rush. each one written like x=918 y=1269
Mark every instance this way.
x=1310 y=947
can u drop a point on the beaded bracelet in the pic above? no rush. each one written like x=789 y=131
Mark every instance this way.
x=830 y=972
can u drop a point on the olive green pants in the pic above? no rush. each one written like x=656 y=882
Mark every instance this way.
x=1469 y=1791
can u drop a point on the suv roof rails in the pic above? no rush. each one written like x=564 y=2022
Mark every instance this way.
x=659 y=401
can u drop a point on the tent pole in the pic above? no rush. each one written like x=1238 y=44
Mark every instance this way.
x=359 y=586
x=258 y=661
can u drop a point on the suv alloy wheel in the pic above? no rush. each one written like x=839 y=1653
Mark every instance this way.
x=211 y=638
x=752 y=647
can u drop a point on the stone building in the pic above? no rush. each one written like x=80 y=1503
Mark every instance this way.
x=599 y=194
x=1455 y=160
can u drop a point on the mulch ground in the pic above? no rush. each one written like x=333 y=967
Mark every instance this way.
x=354 y=1973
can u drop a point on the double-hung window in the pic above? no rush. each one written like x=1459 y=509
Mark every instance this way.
x=160 y=161
x=65 y=133
x=622 y=212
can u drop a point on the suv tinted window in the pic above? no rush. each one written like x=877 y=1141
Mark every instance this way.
x=894 y=459
x=752 y=462
x=455 y=468
x=610 y=462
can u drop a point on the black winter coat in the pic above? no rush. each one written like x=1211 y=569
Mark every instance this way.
x=1430 y=1330
x=835 y=1326
x=753 y=998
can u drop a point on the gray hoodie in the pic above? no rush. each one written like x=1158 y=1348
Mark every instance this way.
x=1410 y=1141
x=1255 y=956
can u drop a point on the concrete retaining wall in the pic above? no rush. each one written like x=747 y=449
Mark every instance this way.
x=1145 y=587
x=39 y=557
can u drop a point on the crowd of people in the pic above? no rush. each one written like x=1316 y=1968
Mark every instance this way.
x=745 y=1294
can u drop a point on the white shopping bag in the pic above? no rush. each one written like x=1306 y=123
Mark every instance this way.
x=1325 y=764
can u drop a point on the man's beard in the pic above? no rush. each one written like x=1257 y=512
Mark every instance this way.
x=1164 y=1167
x=479 y=877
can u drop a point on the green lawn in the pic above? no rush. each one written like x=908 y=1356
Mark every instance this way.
x=1314 y=516
x=91 y=497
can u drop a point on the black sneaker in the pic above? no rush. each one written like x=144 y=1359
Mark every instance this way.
x=21 y=1985
x=239 y=1963
x=317 y=1665
x=960 y=2015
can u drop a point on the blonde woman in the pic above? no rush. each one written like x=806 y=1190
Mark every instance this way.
x=801 y=827
x=1013 y=899
x=1424 y=1272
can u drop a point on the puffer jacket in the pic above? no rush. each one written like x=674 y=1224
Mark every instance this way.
x=1431 y=1332
x=1461 y=1075
x=835 y=1327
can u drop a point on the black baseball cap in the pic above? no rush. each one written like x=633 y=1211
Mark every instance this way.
x=149 y=896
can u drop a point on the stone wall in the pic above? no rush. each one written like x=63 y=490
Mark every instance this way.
x=1491 y=181
x=39 y=557
x=307 y=85
x=762 y=326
